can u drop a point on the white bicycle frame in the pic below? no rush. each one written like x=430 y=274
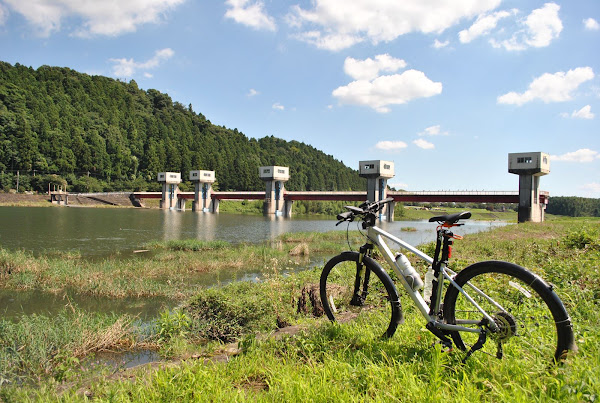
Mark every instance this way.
x=376 y=236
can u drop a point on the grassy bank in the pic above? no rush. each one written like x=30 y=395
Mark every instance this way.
x=326 y=362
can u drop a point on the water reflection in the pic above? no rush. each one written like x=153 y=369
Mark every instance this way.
x=102 y=232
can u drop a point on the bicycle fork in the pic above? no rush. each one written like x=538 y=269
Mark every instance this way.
x=360 y=295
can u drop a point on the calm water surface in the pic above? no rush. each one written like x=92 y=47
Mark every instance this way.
x=108 y=231
x=102 y=232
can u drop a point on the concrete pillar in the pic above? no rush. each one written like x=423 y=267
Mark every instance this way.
x=169 y=196
x=181 y=203
x=529 y=167
x=530 y=208
x=203 y=181
x=390 y=213
x=215 y=205
x=377 y=173
x=287 y=208
x=275 y=178
x=170 y=190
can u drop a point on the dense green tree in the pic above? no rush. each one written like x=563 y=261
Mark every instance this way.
x=56 y=120
x=574 y=206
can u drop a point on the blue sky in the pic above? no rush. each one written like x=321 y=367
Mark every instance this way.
x=445 y=89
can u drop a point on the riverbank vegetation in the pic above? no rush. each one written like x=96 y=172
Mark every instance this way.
x=42 y=357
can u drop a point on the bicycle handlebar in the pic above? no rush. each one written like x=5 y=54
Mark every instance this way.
x=368 y=209
x=365 y=209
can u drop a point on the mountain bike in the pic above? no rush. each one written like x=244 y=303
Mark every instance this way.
x=495 y=307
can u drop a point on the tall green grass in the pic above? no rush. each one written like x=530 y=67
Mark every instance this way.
x=332 y=362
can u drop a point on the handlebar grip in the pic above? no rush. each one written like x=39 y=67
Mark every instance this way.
x=344 y=216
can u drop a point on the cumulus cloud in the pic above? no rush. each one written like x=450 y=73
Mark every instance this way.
x=339 y=24
x=390 y=145
x=424 y=144
x=557 y=87
x=437 y=44
x=369 y=69
x=591 y=24
x=583 y=113
x=581 y=155
x=253 y=92
x=538 y=30
x=483 y=25
x=110 y=17
x=251 y=14
x=378 y=92
x=126 y=68
x=433 y=131
x=278 y=107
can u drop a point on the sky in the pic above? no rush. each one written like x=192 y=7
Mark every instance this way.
x=443 y=88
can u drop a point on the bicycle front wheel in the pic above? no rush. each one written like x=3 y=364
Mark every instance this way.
x=352 y=290
x=532 y=322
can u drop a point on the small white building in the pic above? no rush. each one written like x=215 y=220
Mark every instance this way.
x=169 y=177
x=536 y=163
x=203 y=176
x=376 y=169
x=275 y=173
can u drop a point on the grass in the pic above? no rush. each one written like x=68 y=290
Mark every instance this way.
x=332 y=362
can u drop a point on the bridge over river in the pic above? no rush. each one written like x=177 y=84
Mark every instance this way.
x=279 y=201
x=399 y=197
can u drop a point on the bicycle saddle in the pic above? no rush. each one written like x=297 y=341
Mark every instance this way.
x=451 y=218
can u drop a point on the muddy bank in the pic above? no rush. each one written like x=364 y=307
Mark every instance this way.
x=117 y=199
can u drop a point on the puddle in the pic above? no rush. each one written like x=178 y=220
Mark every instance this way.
x=14 y=304
x=121 y=361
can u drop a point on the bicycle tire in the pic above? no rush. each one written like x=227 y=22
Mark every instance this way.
x=533 y=324
x=379 y=301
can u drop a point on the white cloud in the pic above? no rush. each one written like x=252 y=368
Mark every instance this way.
x=253 y=92
x=424 y=144
x=383 y=91
x=438 y=44
x=483 y=25
x=581 y=155
x=591 y=24
x=583 y=113
x=557 y=87
x=127 y=68
x=390 y=145
x=433 y=131
x=539 y=29
x=332 y=42
x=3 y=14
x=109 y=17
x=398 y=185
x=250 y=14
x=339 y=24
x=278 y=107
x=593 y=187
x=369 y=69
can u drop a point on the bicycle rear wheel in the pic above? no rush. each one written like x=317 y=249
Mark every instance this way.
x=531 y=319
x=351 y=290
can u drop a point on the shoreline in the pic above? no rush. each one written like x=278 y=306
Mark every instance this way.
x=122 y=200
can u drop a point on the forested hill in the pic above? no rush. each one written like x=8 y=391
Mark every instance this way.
x=103 y=134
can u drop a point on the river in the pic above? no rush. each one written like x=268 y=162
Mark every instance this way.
x=96 y=233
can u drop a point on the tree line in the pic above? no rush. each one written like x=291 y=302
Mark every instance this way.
x=574 y=206
x=94 y=133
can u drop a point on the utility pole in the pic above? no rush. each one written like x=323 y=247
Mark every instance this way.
x=17 y=181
